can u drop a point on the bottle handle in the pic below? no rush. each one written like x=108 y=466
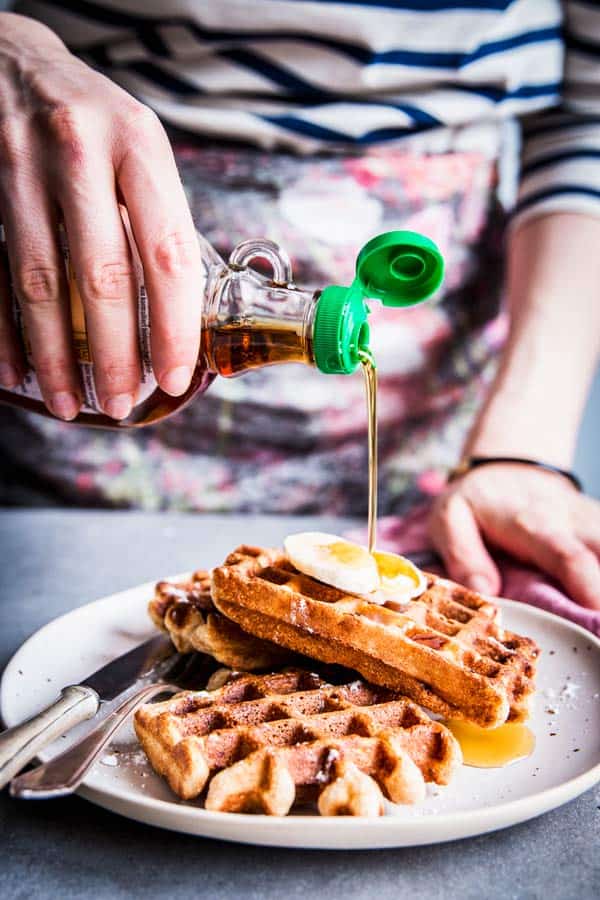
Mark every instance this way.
x=261 y=248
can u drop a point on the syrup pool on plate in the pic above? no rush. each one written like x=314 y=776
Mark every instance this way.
x=489 y=748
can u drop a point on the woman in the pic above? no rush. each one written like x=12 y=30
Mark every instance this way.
x=318 y=125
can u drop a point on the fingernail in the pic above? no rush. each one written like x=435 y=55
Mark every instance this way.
x=479 y=583
x=176 y=381
x=9 y=377
x=119 y=406
x=65 y=405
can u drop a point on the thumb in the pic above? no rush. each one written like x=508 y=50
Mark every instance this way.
x=457 y=538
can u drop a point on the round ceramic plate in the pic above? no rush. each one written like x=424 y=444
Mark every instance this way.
x=566 y=760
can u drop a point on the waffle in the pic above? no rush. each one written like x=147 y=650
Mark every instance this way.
x=446 y=650
x=186 y=612
x=263 y=742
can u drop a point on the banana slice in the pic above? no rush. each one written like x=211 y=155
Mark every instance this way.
x=379 y=577
x=328 y=558
x=400 y=579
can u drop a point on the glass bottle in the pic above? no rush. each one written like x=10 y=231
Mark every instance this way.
x=251 y=320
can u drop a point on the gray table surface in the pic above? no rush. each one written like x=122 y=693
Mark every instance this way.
x=52 y=561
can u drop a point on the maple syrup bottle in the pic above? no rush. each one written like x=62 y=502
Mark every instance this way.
x=249 y=320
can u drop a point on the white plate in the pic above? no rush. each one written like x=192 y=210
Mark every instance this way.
x=565 y=763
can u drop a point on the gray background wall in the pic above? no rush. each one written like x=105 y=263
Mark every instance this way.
x=587 y=462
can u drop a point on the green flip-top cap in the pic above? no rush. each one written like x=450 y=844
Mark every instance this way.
x=399 y=268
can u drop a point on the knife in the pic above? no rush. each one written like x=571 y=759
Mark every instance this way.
x=79 y=702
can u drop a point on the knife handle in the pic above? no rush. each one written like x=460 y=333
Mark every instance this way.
x=20 y=744
x=63 y=774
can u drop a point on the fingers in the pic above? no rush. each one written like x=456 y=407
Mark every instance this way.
x=538 y=521
x=37 y=272
x=457 y=538
x=73 y=171
x=85 y=188
x=166 y=239
x=560 y=553
x=12 y=364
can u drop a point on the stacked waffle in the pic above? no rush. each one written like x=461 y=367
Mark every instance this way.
x=445 y=649
x=264 y=742
x=185 y=610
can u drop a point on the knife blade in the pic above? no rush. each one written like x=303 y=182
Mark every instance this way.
x=80 y=702
x=150 y=657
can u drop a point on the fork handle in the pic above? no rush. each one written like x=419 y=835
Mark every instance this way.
x=63 y=774
x=19 y=745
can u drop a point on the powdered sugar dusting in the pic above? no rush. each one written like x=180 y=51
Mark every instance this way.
x=110 y=759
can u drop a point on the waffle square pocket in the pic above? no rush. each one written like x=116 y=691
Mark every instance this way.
x=262 y=743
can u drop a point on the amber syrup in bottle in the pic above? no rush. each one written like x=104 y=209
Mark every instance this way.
x=248 y=321
x=227 y=349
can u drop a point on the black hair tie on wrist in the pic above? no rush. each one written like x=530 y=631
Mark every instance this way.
x=473 y=462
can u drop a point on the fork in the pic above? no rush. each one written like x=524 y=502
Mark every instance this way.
x=63 y=774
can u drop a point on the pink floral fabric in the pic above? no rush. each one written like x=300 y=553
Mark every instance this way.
x=289 y=439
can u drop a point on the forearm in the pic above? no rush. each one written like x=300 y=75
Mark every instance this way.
x=536 y=402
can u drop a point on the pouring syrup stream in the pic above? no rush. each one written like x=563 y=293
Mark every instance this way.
x=370 y=372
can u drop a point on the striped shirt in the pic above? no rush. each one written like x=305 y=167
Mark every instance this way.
x=314 y=74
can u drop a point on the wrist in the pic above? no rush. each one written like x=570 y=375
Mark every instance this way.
x=468 y=463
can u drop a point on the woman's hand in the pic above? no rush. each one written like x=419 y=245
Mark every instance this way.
x=73 y=145
x=536 y=516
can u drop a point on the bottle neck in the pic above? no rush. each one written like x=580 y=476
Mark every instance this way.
x=250 y=322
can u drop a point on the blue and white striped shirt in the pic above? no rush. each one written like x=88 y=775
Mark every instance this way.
x=305 y=74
